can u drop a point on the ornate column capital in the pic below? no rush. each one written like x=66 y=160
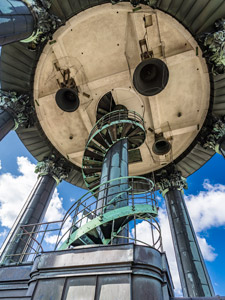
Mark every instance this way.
x=171 y=180
x=18 y=106
x=216 y=131
x=53 y=167
x=213 y=44
x=46 y=23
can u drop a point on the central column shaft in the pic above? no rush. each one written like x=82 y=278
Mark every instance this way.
x=194 y=277
x=114 y=194
x=7 y=123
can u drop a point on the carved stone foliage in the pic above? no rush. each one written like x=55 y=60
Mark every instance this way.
x=171 y=180
x=214 y=47
x=216 y=132
x=46 y=23
x=18 y=106
x=53 y=167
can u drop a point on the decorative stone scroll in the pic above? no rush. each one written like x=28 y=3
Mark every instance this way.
x=46 y=23
x=214 y=47
x=18 y=106
x=53 y=167
x=217 y=131
x=171 y=180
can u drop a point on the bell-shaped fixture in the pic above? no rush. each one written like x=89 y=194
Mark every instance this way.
x=161 y=145
x=151 y=77
x=67 y=99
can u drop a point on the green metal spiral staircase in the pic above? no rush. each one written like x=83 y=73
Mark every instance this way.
x=95 y=220
x=111 y=128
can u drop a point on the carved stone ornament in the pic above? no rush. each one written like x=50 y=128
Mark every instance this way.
x=53 y=167
x=171 y=180
x=46 y=23
x=18 y=106
x=214 y=47
x=213 y=139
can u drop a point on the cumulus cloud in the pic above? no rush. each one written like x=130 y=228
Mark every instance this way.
x=14 y=191
x=207 y=209
x=0 y=164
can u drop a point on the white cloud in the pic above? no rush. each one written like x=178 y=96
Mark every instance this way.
x=207 y=250
x=0 y=164
x=207 y=209
x=14 y=191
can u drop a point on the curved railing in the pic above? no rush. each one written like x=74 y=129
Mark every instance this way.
x=131 y=204
x=111 y=128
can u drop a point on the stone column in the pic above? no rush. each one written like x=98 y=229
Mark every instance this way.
x=194 y=277
x=216 y=137
x=51 y=172
x=28 y=21
x=15 y=111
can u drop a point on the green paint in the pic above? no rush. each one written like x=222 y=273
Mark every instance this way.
x=109 y=217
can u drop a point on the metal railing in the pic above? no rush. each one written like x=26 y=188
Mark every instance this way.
x=117 y=116
x=135 y=194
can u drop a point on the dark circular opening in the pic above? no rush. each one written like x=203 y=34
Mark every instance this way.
x=161 y=147
x=67 y=99
x=148 y=73
x=151 y=77
x=162 y=144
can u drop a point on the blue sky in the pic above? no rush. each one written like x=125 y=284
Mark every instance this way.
x=205 y=199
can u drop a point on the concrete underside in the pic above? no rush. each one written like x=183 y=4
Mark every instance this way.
x=100 y=47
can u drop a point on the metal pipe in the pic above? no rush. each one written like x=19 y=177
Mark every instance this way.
x=16 y=21
x=33 y=212
x=194 y=277
x=7 y=123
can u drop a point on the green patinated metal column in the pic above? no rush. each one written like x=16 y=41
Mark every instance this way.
x=114 y=194
x=19 y=244
x=28 y=21
x=194 y=277
x=15 y=111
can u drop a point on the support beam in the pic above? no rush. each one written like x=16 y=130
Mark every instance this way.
x=194 y=277
x=18 y=245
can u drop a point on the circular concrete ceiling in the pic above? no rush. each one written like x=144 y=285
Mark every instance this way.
x=101 y=48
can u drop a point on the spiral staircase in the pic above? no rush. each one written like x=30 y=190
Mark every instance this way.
x=101 y=224
x=111 y=128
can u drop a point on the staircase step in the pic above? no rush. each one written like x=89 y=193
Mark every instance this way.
x=126 y=128
x=135 y=132
x=87 y=161
x=92 y=154
x=96 y=147
x=100 y=139
x=113 y=133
